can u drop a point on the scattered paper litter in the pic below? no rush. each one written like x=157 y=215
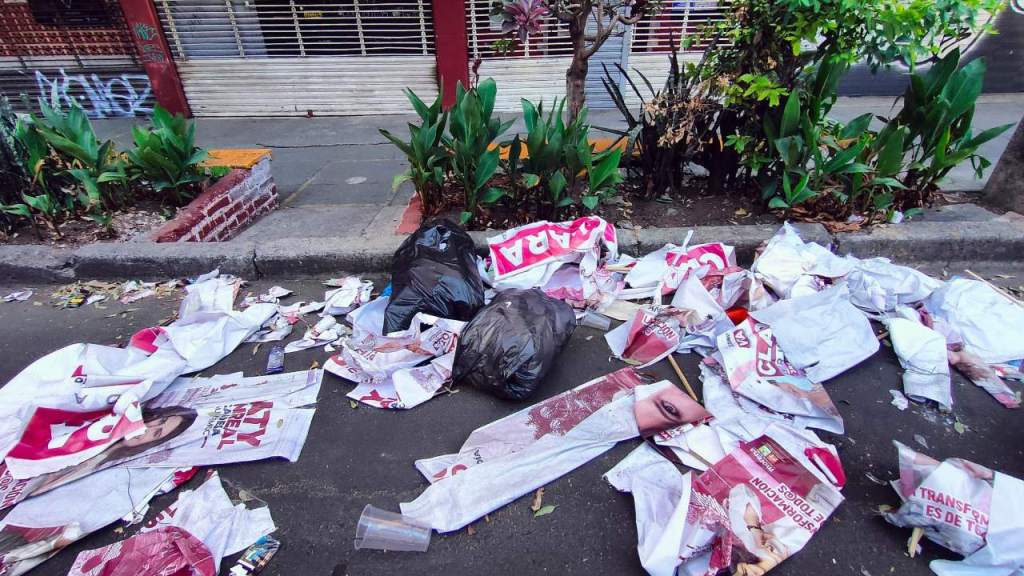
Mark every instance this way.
x=18 y=296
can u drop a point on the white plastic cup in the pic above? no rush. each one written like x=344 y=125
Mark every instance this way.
x=382 y=530
x=595 y=320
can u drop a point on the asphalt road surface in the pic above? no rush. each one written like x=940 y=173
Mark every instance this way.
x=359 y=456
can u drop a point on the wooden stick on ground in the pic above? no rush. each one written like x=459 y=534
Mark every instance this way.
x=1005 y=294
x=682 y=378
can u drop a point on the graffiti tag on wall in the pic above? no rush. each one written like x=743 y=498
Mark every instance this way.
x=115 y=97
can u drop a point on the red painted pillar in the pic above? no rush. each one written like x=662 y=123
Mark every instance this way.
x=450 y=46
x=148 y=36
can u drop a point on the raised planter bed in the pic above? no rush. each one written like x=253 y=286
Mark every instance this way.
x=229 y=205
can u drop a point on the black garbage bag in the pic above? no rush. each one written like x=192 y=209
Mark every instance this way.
x=434 y=271
x=512 y=343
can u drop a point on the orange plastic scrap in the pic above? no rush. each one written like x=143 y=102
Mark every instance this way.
x=236 y=157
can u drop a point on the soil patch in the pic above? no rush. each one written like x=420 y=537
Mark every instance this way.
x=128 y=224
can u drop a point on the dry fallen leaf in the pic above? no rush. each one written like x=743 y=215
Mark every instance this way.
x=470 y=530
x=314 y=365
x=538 y=500
x=353 y=404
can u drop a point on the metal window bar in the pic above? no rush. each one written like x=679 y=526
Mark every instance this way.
x=359 y=28
x=293 y=28
x=653 y=33
x=553 y=40
x=423 y=26
x=298 y=31
x=234 y=28
x=180 y=52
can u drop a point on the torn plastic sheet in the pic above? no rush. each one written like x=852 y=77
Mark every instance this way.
x=822 y=333
x=991 y=326
x=597 y=293
x=726 y=404
x=1003 y=552
x=877 y=285
x=661 y=498
x=52 y=409
x=191 y=536
x=653 y=333
x=757 y=368
x=734 y=505
x=351 y=294
x=737 y=287
x=922 y=353
x=984 y=376
x=692 y=295
x=523 y=451
x=276 y=329
x=326 y=331
x=660 y=272
x=390 y=370
x=271 y=296
x=40 y=527
x=529 y=256
x=951 y=500
x=792 y=267
x=202 y=422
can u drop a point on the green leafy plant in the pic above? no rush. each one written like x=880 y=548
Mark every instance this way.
x=429 y=160
x=561 y=160
x=96 y=167
x=472 y=131
x=166 y=156
x=937 y=113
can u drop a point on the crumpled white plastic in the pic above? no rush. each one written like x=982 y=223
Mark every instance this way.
x=757 y=370
x=922 y=353
x=792 y=267
x=661 y=498
x=822 y=333
x=528 y=256
x=1003 y=552
x=692 y=295
x=109 y=384
x=877 y=285
x=991 y=326
x=39 y=527
x=205 y=514
x=653 y=333
x=208 y=514
x=326 y=331
x=387 y=367
x=951 y=500
x=352 y=293
x=660 y=272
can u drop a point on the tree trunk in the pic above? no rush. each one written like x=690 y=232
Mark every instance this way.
x=576 y=75
x=1004 y=183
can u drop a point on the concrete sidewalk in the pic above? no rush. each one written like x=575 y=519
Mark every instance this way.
x=334 y=173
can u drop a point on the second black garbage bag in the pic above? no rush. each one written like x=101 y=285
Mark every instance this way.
x=512 y=343
x=434 y=271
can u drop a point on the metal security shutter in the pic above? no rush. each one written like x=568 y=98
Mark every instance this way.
x=650 y=41
x=288 y=58
x=79 y=51
x=533 y=70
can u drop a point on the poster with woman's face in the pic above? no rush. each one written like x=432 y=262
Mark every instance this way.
x=663 y=406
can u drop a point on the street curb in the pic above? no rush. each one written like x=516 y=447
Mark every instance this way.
x=917 y=242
